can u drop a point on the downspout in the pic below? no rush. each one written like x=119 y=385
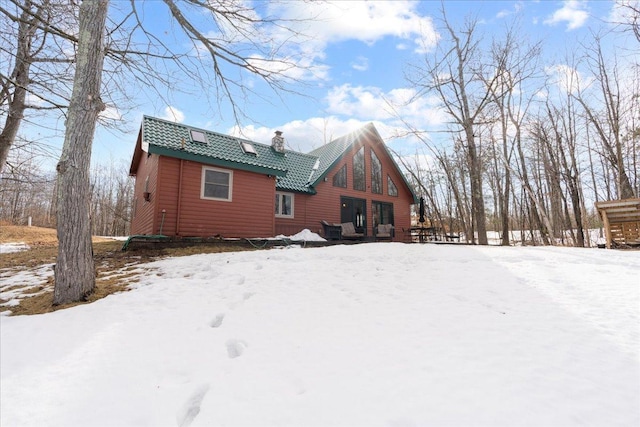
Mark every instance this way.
x=179 y=202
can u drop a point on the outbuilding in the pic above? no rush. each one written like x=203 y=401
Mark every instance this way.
x=621 y=220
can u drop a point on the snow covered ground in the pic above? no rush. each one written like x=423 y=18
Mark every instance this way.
x=6 y=248
x=380 y=334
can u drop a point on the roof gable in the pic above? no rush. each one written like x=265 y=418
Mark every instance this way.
x=332 y=153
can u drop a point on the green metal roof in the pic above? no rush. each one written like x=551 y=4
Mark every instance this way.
x=331 y=153
x=294 y=171
x=174 y=140
x=300 y=167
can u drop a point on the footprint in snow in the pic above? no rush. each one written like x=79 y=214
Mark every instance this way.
x=191 y=408
x=235 y=348
x=217 y=321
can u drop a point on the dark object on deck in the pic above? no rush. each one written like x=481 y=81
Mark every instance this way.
x=384 y=232
x=349 y=231
x=331 y=232
x=421 y=219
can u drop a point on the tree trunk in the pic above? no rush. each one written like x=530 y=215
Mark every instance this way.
x=475 y=176
x=75 y=272
x=20 y=77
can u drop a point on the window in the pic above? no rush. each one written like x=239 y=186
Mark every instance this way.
x=359 y=181
x=198 y=136
x=392 y=190
x=248 y=148
x=376 y=174
x=284 y=205
x=340 y=178
x=382 y=213
x=216 y=184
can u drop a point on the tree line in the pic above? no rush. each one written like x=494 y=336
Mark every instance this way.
x=528 y=147
x=28 y=189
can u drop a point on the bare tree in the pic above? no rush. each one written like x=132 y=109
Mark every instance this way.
x=25 y=188
x=629 y=12
x=75 y=272
x=460 y=78
x=616 y=107
x=41 y=54
x=18 y=80
x=512 y=95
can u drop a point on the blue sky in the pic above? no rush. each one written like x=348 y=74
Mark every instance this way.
x=356 y=55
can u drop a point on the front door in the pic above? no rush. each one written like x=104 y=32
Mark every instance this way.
x=355 y=211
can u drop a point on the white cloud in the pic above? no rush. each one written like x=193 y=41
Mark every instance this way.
x=372 y=103
x=34 y=100
x=297 y=67
x=568 y=79
x=360 y=64
x=111 y=113
x=573 y=12
x=173 y=114
x=302 y=135
x=517 y=7
x=332 y=22
x=305 y=29
x=351 y=107
x=622 y=11
x=503 y=13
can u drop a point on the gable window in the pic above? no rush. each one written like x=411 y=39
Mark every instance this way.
x=340 y=178
x=359 y=180
x=216 y=184
x=392 y=190
x=198 y=136
x=284 y=205
x=376 y=174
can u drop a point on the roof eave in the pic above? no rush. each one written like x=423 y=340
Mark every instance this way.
x=137 y=154
x=185 y=155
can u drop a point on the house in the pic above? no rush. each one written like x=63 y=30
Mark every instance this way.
x=192 y=182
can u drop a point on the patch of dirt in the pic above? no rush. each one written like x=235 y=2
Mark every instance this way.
x=115 y=269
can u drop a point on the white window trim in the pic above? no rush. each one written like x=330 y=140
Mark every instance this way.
x=293 y=200
x=202 y=182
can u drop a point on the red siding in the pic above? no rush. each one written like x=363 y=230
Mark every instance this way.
x=180 y=211
x=325 y=205
x=144 y=211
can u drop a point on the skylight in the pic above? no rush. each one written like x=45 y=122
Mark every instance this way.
x=198 y=136
x=248 y=148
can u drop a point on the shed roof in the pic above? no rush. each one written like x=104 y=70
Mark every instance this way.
x=617 y=211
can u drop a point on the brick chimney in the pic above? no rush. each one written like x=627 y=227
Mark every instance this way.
x=277 y=142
